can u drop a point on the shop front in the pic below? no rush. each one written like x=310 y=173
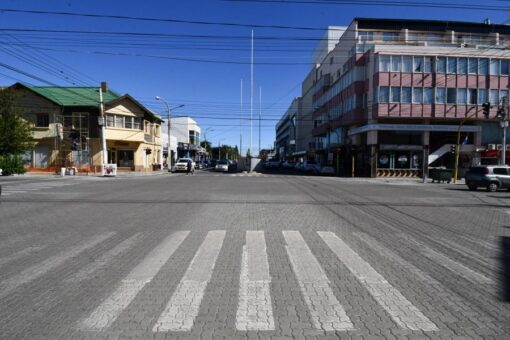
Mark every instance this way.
x=394 y=160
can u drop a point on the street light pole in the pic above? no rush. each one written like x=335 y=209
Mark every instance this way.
x=219 y=149
x=169 y=127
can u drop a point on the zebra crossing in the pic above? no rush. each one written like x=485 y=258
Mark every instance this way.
x=255 y=307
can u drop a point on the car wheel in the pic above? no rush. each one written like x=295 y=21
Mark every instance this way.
x=492 y=187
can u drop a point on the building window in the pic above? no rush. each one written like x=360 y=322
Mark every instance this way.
x=483 y=66
x=418 y=64
x=119 y=121
x=406 y=95
x=384 y=63
x=473 y=66
x=451 y=96
x=494 y=97
x=440 y=95
x=395 y=94
x=472 y=96
x=390 y=36
x=384 y=94
x=482 y=96
x=110 y=121
x=441 y=65
x=42 y=120
x=494 y=67
x=396 y=63
x=462 y=96
x=462 y=65
x=503 y=94
x=366 y=36
x=429 y=64
x=331 y=61
x=504 y=67
x=407 y=64
x=452 y=65
x=417 y=95
x=428 y=95
x=137 y=123
x=128 y=122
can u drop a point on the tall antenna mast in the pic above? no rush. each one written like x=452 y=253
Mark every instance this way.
x=260 y=112
x=251 y=95
x=241 y=123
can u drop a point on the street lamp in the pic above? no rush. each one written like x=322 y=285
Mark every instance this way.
x=168 y=109
x=219 y=148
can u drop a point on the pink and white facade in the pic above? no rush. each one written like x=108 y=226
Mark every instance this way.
x=391 y=95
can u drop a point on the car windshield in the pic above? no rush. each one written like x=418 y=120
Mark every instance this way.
x=223 y=163
x=183 y=160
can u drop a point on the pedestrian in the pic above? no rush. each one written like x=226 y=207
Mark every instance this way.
x=189 y=168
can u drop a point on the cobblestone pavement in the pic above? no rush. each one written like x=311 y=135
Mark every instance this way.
x=250 y=257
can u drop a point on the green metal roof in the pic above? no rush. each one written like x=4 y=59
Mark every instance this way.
x=73 y=96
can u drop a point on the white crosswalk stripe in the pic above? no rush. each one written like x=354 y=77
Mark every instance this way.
x=106 y=313
x=403 y=312
x=183 y=307
x=35 y=271
x=326 y=312
x=255 y=311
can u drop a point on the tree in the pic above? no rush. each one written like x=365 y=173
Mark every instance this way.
x=206 y=145
x=15 y=134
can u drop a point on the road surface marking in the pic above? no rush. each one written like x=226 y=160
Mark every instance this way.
x=37 y=270
x=183 y=307
x=255 y=311
x=107 y=312
x=20 y=254
x=102 y=261
x=448 y=263
x=403 y=312
x=327 y=313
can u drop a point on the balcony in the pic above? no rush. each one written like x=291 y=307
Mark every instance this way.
x=124 y=135
x=148 y=138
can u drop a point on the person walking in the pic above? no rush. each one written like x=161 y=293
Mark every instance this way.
x=189 y=168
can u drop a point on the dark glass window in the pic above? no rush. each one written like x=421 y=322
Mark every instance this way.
x=42 y=120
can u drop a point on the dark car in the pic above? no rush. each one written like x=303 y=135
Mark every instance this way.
x=491 y=177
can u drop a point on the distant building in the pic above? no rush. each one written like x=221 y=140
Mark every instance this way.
x=185 y=138
x=391 y=94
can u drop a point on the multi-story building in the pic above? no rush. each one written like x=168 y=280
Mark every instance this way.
x=185 y=138
x=67 y=129
x=286 y=131
x=393 y=93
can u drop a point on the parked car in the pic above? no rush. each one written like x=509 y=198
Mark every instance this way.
x=232 y=165
x=491 y=177
x=327 y=170
x=272 y=164
x=311 y=166
x=222 y=166
x=298 y=166
x=288 y=165
x=182 y=164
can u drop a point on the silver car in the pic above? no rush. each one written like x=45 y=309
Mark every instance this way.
x=491 y=177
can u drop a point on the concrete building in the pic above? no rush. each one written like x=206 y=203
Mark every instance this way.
x=286 y=131
x=67 y=131
x=185 y=138
x=392 y=94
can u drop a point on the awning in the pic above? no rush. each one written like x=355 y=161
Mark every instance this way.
x=413 y=128
x=299 y=153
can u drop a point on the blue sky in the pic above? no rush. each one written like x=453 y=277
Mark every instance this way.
x=209 y=91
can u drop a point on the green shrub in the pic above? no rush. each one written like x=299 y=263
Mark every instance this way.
x=12 y=164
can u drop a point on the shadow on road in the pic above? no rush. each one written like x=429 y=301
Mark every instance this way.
x=505 y=268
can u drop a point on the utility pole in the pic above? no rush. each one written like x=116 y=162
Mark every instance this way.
x=241 y=123
x=103 y=87
x=260 y=113
x=503 y=113
x=251 y=95
x=169 y=128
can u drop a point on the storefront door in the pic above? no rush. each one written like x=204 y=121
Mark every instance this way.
x=126 y=158
x=393 y=160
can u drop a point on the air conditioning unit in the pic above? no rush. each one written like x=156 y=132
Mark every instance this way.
x=508 y=147
x=491 y=147
x=499 y=147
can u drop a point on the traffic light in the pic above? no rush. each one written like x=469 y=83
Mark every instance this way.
x=148 y=151
x=453 y=148
x=486 y=109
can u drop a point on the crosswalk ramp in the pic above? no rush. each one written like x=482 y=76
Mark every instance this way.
x=327 y=311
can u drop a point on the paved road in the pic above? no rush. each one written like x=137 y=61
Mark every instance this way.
x=268 y=256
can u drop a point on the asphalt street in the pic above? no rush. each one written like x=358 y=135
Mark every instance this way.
x=250 y=257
